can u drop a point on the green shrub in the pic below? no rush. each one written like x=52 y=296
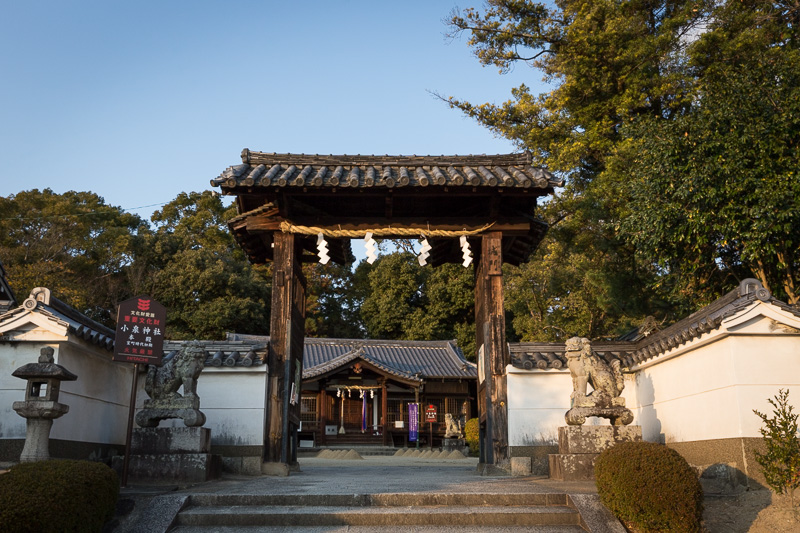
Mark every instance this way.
x=781 y=462
x=472 y=433
x=57 y=496
x=650 y=487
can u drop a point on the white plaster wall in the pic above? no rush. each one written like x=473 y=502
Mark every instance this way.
x=537 y=401
x=98 y=400
x=233 y=402
x=14 y=355
x=704 y=390
x=688 y=397
x=710 y=392
x=763 y=366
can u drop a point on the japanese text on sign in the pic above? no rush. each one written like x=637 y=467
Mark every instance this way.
x=140 y=331
x=413 y=421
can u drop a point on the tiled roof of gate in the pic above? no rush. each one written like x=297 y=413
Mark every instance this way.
x=270 y=170
x=650 y=345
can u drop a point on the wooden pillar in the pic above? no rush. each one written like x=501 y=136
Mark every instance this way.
x=492 y=352
x=384 y=413
x=287 y=332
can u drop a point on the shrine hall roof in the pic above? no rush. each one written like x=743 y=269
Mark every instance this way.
x=261 y=170
x=410 y=360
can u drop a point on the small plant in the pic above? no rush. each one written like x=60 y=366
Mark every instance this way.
x=472 y=431
x=781 y=462
x=650 y=487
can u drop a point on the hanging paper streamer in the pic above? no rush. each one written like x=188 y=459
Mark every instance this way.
x=370 y=244
x=322 y=249
x=467 y=254
x=423 y=253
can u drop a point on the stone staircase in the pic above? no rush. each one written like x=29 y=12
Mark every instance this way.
x=544 y=513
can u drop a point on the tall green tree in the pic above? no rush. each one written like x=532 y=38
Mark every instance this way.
x=75 y=244
x=332 y=307
x=401 y=300
x=716 y=190
x=195 y=269
x=606 y=61
x=675 y=124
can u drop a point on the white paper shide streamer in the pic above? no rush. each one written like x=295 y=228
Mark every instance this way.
x=322 y=249
x=424 y=253
x=371 y=247
x=467 y=254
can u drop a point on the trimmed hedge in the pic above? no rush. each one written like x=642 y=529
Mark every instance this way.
x=650 y=487
x=57 y=496
x=472 y=435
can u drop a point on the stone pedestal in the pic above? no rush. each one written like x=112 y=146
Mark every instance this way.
x=579 y=446
x=186 y=408
x=449 y=445
x=172 y=454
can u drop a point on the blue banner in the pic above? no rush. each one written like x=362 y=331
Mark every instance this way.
x=413 y=421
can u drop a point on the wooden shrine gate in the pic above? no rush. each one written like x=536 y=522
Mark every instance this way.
x=286 y=201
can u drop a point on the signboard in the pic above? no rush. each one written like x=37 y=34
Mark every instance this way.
x=430 y=414
x=413 y=421
x=140 y=331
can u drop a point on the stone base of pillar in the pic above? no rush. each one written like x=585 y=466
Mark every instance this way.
x=579 y=446
x=275 y=469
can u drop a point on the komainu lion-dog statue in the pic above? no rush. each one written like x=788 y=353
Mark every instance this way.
x=607 y=382
x=162 y=385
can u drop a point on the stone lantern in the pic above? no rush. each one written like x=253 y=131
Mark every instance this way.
x=41 y=403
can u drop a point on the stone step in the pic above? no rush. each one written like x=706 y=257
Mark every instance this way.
x=421 y=511
x=456 y=515
x=375 y=529
x=396 y=499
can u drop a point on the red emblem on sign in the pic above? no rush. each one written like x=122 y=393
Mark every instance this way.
x=430 y=413
x=143 y=305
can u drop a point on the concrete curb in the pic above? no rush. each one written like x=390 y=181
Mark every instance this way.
x=596 y=518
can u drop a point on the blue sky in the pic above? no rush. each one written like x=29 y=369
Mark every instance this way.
x=139 y=101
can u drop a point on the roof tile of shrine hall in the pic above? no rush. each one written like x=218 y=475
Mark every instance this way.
x=271 y=170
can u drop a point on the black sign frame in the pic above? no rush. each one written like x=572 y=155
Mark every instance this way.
x=140 y=331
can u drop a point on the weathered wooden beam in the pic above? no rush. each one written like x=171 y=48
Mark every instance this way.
x=516 y=226
x=490 y=329
x=287 y=322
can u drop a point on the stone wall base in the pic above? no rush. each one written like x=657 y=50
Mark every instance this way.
x=178 y=467
x=539 y=459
